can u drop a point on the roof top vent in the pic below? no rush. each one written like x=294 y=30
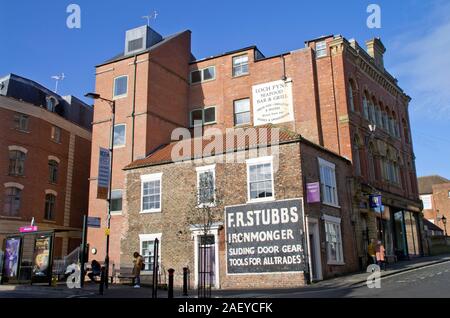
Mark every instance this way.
x=140 y=39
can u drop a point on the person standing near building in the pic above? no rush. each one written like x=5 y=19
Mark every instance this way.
x=380 y=255
x=138 y=266
x=371 y=252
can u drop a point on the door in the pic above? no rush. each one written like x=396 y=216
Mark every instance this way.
x=314 y=250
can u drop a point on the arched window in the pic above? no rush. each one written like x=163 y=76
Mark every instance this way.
x=405 y=131
x=51 y=103
x=52 y=171
x=350 y=96
x=385 y=121
x=50 y=206
x=16 y=162
x=356 y=156
x=11 y=206
x=372 y=112
x=377 y=115
x=365 y=107
x=371 y=162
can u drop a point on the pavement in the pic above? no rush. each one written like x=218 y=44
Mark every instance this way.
x=434 y=270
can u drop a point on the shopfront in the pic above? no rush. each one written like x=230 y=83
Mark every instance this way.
x=406 y=230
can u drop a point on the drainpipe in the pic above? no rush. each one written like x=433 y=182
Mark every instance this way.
x=133 y=108
x=335 y=105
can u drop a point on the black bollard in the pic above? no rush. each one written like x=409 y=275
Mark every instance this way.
x=102 y=280
x=185 y=281
x=170 y=291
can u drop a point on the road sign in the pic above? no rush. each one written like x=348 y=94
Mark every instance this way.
x=93 y=222
x=103 y=174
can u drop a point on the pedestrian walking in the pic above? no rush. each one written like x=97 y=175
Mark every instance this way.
x=380 y=255
x=138 y=266
x=371 y=252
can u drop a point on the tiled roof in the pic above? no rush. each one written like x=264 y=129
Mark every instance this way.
x=238 y=139
x=426 y=183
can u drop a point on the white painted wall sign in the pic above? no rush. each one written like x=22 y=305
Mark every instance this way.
x=272 y=103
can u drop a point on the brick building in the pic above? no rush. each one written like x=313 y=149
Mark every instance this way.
x=45 y=146
x=435 y=195
x=177 y=221
x=331 y=92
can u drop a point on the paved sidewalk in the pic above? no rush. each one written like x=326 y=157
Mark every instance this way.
x=91 y=290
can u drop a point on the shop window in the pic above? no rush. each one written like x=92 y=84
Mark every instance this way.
x=335 y=254
x=147 y=243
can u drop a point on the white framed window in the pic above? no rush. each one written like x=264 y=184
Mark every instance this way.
x=56 y=134
x=335 y=255
x=205 y=116
x=147 y=248
x=116 y=201
x=321 y=49
x=426 y=199
x=240 y=65
x=151 y=193
x=120 y=135
x=242 y=111
x=203 y=75
x=120 y=87
x=260 y=182
x=449 y=194
x=206 y=178
x=21 y=122
x=328 y=182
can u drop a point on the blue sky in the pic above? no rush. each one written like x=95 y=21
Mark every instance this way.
x=37 y=44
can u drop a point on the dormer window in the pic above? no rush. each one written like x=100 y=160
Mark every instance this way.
x=51 y=103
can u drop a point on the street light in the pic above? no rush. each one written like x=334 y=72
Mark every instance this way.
x=444 y=221
x=111 y=103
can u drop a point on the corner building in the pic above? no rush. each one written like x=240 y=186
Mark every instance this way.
x=331 y=92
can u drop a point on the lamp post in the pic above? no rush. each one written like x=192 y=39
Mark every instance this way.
x=444 y=221
x=112 y=104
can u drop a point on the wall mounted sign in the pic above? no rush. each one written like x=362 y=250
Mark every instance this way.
x=28 y=229
x=375 y=201
x=265 y=237
x=93 y=222
x=313 y=192
x=103 y=174
x=272 y=103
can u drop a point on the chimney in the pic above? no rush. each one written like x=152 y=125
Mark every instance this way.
x=140 y=39
x=376 y=49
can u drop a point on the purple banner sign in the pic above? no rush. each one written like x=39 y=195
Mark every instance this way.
x=313 y=192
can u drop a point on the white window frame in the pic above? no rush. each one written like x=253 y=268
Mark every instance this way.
x=150 y=237
x=249 y=111
x=258 y=161
x=114 y=88
x=117 y=212
x=321 y=51
x=191 y=124
x=200 y=170
x=427 y=197
x=124 y=136
x=149 y=178
x=327 y=164
x=240 y=65
x=328 y=219
x=202 y=77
